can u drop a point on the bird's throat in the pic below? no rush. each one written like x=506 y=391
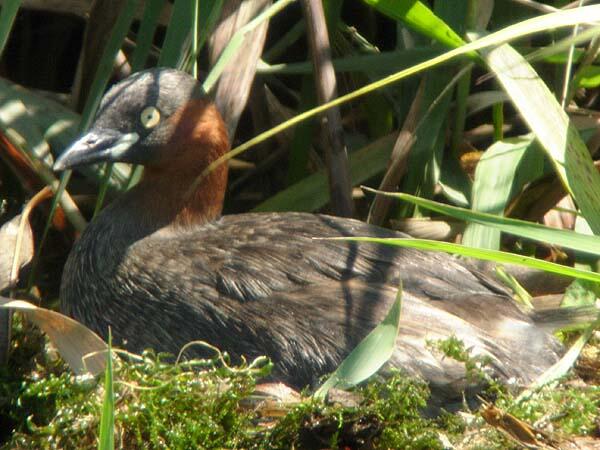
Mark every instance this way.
x=165 y=200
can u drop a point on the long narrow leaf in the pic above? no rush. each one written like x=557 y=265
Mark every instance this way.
x=497 y=177
x=105 y=67
x=525 y=28
x=551 y=125
x=564 y=238
x=418 y=16
x=178 y=32
x=369 y=355
x=107 y=421
x=478 y=253
x=145 y=35
x=7 y=18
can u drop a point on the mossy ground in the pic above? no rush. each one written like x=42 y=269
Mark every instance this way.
x=160 y=405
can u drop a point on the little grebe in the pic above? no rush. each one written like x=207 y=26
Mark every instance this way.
x=162 y=268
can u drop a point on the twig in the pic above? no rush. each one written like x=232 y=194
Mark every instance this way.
x=336 y=155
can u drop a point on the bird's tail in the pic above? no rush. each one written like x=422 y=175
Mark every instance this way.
x=572 y=317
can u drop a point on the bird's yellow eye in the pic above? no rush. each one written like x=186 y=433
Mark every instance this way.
x=150 y=117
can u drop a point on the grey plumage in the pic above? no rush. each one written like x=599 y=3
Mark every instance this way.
x=271 y=289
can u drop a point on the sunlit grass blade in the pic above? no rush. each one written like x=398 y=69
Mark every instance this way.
x=107 y=421
x=479 y=253
x=369 y=355
x=564 y=238
x=559 y=138
x=563 y=365
x=525 y=28
x=417 y=15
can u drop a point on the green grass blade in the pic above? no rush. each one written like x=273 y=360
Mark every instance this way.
x=525 y=28
x=178 y=33
x=106 y=63
x=7 y=18
x=194 y=48
x=478 y=253
x=564 y=364
x=544 y=115
x=146 y=32
x=419 y=17
x=107 y=421
x=369 y=355
x=210 y=11
x=564 y=238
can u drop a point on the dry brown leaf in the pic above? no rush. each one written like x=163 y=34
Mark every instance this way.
x=8 y=247
x=82 y=349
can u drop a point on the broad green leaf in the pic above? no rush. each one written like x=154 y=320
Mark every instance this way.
x=478 y=253
x=454 y=182
x=497 y=178
x=107 y=421
x=369 y=355
x=550 y=124
x=564 y=238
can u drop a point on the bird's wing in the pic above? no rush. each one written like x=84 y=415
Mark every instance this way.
x=307 y=303
x=246 y=262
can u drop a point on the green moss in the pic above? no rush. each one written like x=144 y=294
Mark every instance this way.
x=389 y=416
x=574 y=410
x=29 y=359
x=158 y=405
x=161 y=405
x=455 y=348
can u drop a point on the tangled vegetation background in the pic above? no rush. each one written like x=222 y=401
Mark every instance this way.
x=487 y=105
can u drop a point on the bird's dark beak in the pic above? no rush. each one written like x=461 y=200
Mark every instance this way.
x=98 y=145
